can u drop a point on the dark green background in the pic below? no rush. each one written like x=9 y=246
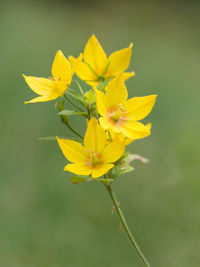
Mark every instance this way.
x=47 y=221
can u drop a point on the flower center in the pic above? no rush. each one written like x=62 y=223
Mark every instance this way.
x=94 y=159
x=117 y=114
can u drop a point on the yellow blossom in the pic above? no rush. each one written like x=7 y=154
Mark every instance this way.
x=96 y=157
x=121 y=115
x=52 y=88
x=97 y=67
x=119 y=137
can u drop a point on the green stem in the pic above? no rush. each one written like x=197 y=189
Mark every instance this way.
x=73 y=104
x=125 y=225
x=72 y=130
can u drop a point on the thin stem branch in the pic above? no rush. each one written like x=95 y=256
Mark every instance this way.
x=72 y=130
x=125 y=225
x=73 y=104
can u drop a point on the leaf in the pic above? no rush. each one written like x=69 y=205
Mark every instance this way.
x=77 y=96
x=72 y=112
x=80 y=88
x=77 y=180
x=125 y=168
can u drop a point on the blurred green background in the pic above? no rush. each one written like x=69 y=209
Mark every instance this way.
x=47 y=221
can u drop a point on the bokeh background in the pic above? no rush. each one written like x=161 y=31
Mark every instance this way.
x=44 y=219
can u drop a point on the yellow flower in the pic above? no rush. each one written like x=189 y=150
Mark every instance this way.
x=97 y=67
x=121 y=115
x=96 y=157
x=119 y=137
x=52 y=88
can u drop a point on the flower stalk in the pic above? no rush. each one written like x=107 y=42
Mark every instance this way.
x=125 y=225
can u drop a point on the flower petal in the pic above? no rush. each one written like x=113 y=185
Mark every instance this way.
x=72 y=150
x=42 y=98
x=130 y=140
x=61 y=87
x=84 y=72
x=75 y=61
x=102 y=103
x=79 y=169
x=40 y=86
x=119 y=61
x=95 y=137
x=139 y=107
x=127 y=75
x=135 y=130
x=95 y=56
x=112 y=152
x=106 y=124
x=116 y=91
x=61 y=68
x=101 y=170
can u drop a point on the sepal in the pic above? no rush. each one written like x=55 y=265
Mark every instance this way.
x=90 y=97
x=60 y=105
x=78 y=180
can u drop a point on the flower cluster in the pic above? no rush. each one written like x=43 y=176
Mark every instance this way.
x=113 y=120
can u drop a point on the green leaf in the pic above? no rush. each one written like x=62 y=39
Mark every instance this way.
x=77 y=96
x=77 y=180
x=72 y=112
x=125 y=168
x=80 y=88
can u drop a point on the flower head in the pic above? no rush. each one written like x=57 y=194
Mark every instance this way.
x=52 y=88
x=96 y=157
x=121 y=115
x=97 y=67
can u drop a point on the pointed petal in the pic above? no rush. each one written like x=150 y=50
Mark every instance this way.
x=101 y=170
x=42 y=98
x=72 y=150
x=40 y=86
x=116 y=91
x=102 y=103
x=84 y=72
x=79 y=169
x=95 y=56
x=75 y=61
x=112 y=152
x=61 y=68
x=95 y=137
x=139 y=107
x=135 y=130
x=130 y=140
x=119 y=61
x=127 y=75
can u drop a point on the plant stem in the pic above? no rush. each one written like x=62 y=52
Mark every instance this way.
x=125 y=225
x=73 y=104
x=75 y=132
